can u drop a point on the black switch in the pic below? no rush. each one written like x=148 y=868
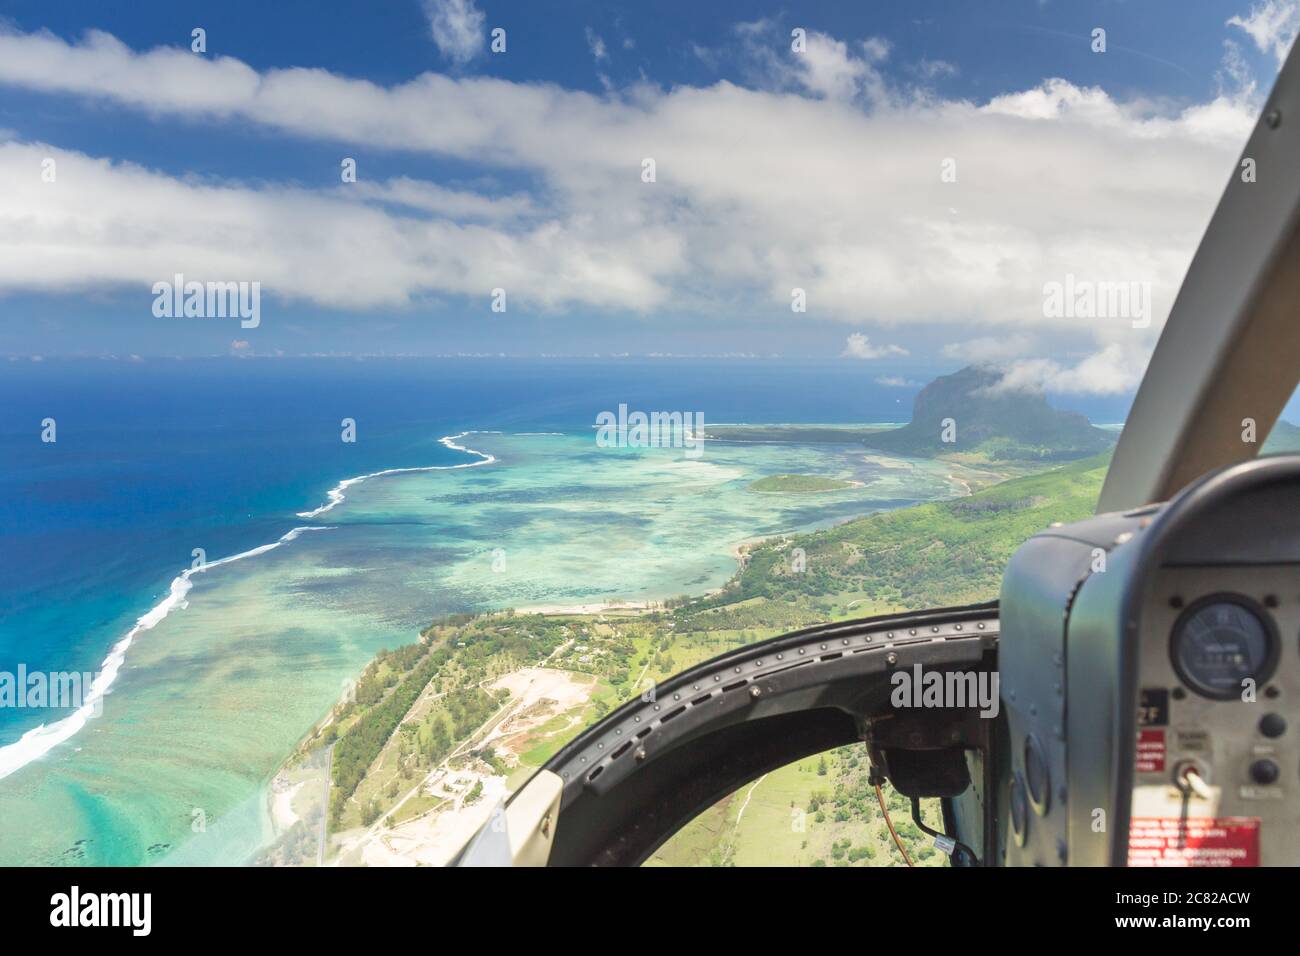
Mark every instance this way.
x=1272 y=725
x=1264 y=772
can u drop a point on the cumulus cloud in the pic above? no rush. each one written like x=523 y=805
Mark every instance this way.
x=1112 y=371
x=105 y=224
x=826 y=67
x=456 y=27
x=859 y=346
x=822 y=178
x=1272 y=25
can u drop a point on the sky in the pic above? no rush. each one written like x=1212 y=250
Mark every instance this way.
x=895 y=184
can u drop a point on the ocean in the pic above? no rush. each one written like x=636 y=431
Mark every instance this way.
x=488 y=491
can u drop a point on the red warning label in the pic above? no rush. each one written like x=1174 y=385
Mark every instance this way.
x=1174 y=841
x=1150 y=751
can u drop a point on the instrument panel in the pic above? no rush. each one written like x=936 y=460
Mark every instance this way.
x=1150 y=665
x=1218 y=752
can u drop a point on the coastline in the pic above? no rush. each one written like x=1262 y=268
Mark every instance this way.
x=40 y=740
x=336 y=495
x=178 y=591
x=610 y=620
x=276 y=803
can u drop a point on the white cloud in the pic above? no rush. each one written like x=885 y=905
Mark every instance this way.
x=1272 y=25
x=596 y=45
x=860 y=347
x=456 y=27
x=933 y=69
x=827 y=68
x=115 y=224
x=826 y=180
x=1112 y=371
x=896 y=381
x=431 y=198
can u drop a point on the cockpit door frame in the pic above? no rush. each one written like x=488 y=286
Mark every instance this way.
x=1230 y=349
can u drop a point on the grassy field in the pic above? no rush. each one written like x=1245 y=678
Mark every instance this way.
x=819 y=811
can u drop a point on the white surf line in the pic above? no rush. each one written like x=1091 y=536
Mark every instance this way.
x=40 y=740
x=336 y=495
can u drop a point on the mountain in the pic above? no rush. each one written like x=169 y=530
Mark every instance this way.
x=966 y=408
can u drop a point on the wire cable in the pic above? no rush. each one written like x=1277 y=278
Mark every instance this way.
x=890 y=823
x=957 y=844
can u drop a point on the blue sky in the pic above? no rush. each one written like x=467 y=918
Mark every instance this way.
x=522 y=170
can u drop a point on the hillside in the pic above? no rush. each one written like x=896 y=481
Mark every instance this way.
x=992 y=424
x=929 y=555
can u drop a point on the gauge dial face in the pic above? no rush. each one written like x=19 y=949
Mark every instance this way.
x=1220 y=643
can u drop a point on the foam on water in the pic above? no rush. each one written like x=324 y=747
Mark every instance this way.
x=336 y=495
x=40 y=740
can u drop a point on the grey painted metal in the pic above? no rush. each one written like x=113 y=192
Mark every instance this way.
x=1039 y=668
x=1105 y=634
x=1231 y=347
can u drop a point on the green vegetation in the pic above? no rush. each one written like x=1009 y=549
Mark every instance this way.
x=819 y=811
x=366 y=737
x=943 y=553
x=295 y=847
x=421 y=707
x=798 y=484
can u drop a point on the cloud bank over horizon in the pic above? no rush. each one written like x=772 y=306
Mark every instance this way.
x=890 y=206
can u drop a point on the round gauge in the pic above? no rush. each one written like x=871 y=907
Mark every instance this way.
x=1221 y=641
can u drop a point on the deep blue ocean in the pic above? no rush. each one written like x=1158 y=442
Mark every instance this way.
x=156 y=458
